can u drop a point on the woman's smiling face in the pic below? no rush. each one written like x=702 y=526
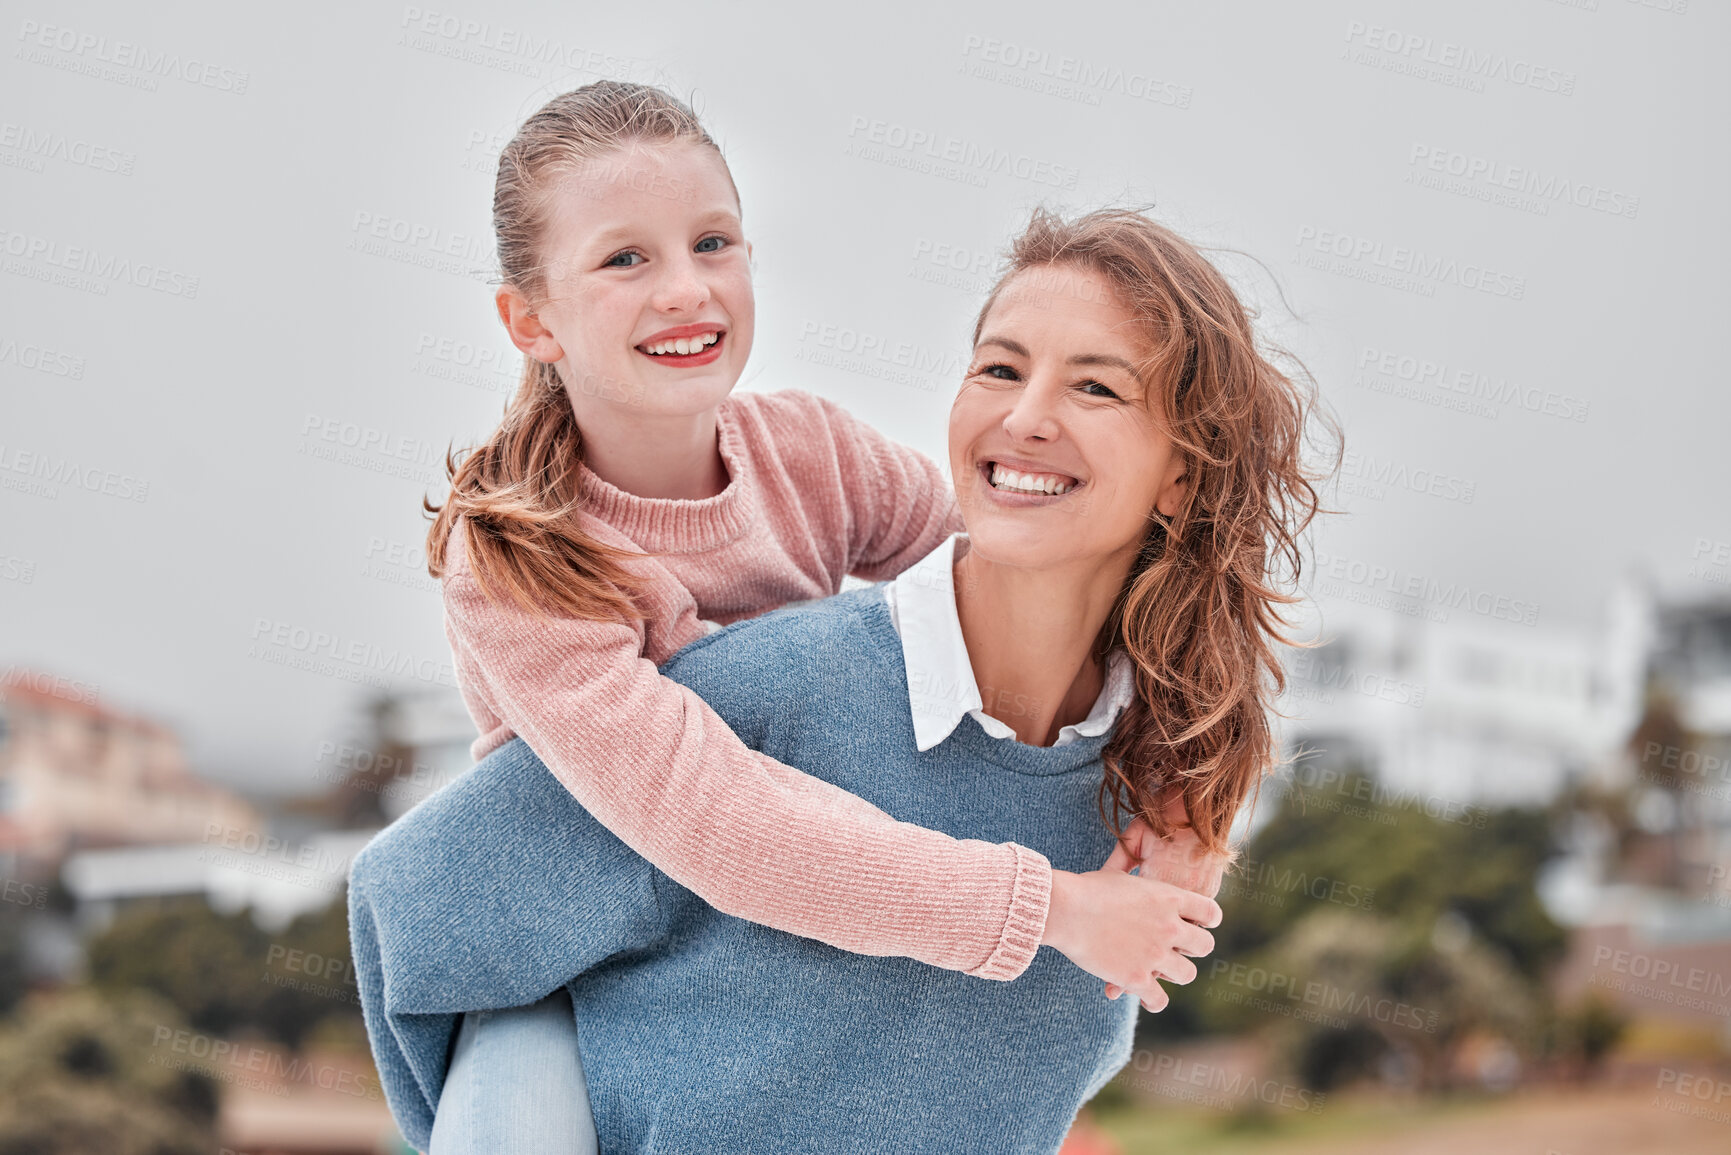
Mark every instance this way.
x=1056 y=448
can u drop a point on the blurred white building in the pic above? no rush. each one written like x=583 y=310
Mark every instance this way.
x=75 y=774
x=1472 y=709
x=1636 y=712
x=278 y=880
x=435 y=730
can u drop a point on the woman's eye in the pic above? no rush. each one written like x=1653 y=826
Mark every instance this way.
x=1002 y=372
x=711 y=244
x=624 y=260
x=1095 y=389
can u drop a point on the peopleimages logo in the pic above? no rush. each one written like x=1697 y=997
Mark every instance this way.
x=1398 y=369
x=1417 y=595
x=86 y=268
x=951 y=157
x=1401 y=267
x=46 y=471
x=321 y=651
x=39 y=145
x=375 y=450
x=91 y=54
x=68 y=689
x=53 y=362
x=876 y=355
x=1325 y=997
x=509 y=49
x=1407 y=51
x=1067 y=77
x=1370 y=476
x=1218 y=1087
x=1493 y=177
x=1317 y=679
x=1265 y=876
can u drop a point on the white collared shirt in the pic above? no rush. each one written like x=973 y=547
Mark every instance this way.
x=941 y=686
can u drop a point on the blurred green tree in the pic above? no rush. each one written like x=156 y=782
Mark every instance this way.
x=1480 y=863
x=82 y=1074
x=225 y=975
x=12 y=974
x=1367 y=900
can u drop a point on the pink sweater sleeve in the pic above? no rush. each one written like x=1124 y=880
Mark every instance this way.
x=752 y=837
x=899 y=507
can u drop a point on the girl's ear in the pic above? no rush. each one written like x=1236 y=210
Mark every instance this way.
x=525 y=328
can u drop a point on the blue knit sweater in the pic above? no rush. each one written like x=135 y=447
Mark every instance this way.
x=701 y=1032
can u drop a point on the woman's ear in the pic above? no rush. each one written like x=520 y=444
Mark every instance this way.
x=525 y=328
x=1173 y=489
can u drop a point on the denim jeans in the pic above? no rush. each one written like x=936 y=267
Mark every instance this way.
x=515 y=1085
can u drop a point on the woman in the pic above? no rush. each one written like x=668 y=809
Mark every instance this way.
x=1128 y=468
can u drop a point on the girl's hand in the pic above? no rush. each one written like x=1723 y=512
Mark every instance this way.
x=1177 y=859
x=1130 y=931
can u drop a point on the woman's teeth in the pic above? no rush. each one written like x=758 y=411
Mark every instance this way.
x=1029 y=482
x=683 y=344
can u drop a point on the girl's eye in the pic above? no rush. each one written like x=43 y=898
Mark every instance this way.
x=1095 y=389
x=711 y=244
x=624 y=260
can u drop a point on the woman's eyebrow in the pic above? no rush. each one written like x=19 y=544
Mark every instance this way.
x=1079 y=359
x=1102 y=359
x=1006 y=343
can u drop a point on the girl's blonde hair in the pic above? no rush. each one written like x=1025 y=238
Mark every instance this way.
x=1199 y=612
x=517 y=495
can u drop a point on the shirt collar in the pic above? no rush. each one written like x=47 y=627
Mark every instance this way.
x=941 y=686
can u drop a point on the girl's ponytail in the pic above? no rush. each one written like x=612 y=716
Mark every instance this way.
x=517 y=497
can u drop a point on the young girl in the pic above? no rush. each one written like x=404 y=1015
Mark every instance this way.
x=627 y=500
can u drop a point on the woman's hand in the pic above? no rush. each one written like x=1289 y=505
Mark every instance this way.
x=1130 y=931
x=1178 y=858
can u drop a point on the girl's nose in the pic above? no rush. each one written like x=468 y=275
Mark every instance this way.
x=681 y=289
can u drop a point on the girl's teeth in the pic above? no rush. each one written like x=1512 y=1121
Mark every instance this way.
x=683 y=345
x=1027 y=482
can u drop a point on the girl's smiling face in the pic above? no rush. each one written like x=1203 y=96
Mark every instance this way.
x=1056 y=446
x=647 y=299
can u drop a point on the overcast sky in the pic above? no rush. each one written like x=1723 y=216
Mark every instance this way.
x=1499 y=224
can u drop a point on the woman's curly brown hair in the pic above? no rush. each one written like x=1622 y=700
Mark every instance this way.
x=1199 y=613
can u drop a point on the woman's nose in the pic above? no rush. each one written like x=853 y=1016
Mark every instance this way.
x=1033 y=417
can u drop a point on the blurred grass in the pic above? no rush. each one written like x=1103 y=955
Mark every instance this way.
x=1155 y=1129
x=1659 y=1040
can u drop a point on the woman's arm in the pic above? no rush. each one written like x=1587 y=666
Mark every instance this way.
x=754 y=838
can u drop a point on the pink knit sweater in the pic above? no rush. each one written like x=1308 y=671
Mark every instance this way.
x=813 y=495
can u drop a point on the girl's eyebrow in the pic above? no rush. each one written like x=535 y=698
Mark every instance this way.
x=612 y=236
x=1079 y=359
